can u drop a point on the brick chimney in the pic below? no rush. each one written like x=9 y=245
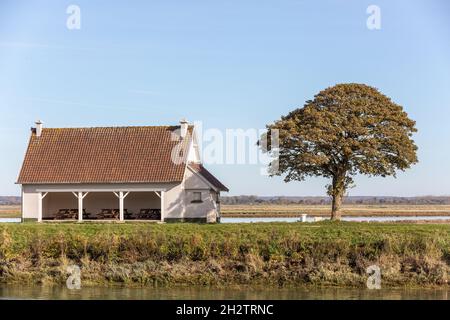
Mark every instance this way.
x=183 y=127
x=38 y=128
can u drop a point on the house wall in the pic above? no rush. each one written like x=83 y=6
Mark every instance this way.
x=29 y=204
x=174 y=202
x=179 y=199
x=205 y=209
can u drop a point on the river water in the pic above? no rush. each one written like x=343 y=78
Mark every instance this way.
x=355 y=219
x=204 y=293
x=10 y=220
x=308 y=219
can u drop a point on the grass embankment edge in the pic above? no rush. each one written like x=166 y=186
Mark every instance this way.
x=269 y=254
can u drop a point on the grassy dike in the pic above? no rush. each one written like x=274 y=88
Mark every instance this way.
x=271 y=254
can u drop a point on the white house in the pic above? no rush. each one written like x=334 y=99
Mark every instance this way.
x=117 y=173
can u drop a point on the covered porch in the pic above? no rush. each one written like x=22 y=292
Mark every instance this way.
x=101 y=205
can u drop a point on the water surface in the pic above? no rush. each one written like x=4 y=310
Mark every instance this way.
x=205 y=293
x=10 y=220
x=354 y=219
x=308 y=219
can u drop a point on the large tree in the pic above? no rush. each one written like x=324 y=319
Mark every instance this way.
x=346 y=130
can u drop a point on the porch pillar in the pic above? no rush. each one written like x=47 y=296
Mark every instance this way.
x=121 y=197
x=41 y=197
x=121 y=205
x=162 y=206
x=80 y=206
x=40 y=207
x=80 y=196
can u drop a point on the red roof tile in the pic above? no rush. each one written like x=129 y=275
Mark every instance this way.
x=105 y=155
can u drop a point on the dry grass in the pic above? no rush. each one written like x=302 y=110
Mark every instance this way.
x=324 y=210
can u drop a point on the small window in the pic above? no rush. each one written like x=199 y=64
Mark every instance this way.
x=197 y=197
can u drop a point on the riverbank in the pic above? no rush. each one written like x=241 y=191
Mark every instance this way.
x=270 y=254
x=294 y=210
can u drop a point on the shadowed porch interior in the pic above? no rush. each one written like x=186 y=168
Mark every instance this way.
x=102 y=206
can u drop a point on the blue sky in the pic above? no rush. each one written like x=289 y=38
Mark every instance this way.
x=228 y=63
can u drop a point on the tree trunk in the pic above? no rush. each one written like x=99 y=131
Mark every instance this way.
x=337 y=192
x=336 y=207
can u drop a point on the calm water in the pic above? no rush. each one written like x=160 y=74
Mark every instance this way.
x=10 y=220
x=311 y=219
x=202 y=293
x=297 y=219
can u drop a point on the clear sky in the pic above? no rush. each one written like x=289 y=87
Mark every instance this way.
x=227 y=63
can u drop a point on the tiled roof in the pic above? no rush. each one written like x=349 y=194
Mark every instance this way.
x=105 y=155
x=197 y=167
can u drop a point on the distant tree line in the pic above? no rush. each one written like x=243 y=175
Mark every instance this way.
x=425 y=200
x=9 y=201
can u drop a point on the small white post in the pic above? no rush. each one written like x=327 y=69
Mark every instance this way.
x=162 y=206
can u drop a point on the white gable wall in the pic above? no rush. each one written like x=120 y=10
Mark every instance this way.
x=196 y=183
x=179 y=199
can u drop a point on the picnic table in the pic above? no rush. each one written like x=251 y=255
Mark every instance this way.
x=127 y=214
x=150 y=214
x=86 y=215
x=64 y=214
x=114 y=214
x=108 y=214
